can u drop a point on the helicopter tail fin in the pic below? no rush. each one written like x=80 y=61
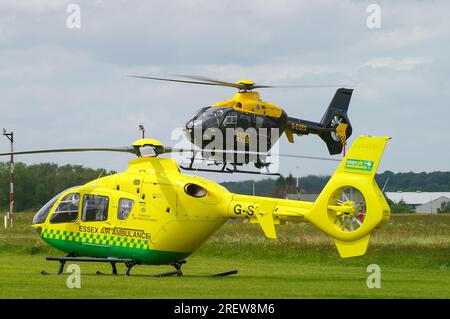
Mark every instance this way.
x=336 y=117
x=352 y=206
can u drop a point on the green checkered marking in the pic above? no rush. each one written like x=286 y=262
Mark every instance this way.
x=119 y=241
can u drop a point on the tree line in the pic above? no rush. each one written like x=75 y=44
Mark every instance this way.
x=36 y=184
x=312 y=184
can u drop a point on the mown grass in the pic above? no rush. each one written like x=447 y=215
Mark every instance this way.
x=413 y=252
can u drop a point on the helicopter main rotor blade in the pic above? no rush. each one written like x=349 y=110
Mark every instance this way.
x=218 y=82
x=257 y=86
x=185 y=81
x=187 y=150
x=67 y=150
x=208 y=81
x=166 y=150
x=299 y=86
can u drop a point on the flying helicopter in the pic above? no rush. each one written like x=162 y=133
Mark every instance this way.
x=246 y=124
x=152 y=214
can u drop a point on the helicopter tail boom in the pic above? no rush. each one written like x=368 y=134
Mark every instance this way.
x=349 y=208
x=336 y=118
x=334 y=127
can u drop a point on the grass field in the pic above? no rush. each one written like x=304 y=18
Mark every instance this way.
x=412 y=251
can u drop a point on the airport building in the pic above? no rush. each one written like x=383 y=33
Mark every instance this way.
x=421 y=202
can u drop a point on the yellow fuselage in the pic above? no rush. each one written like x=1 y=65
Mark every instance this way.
x=169 y=221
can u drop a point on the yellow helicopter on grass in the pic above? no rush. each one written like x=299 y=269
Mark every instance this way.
x=152 y=214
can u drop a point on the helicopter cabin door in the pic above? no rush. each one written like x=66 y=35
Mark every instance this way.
x=95 y=209
x=62 y=229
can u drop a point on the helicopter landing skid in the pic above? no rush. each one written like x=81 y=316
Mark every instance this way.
x=177 y=271
x=226 y=273
x=129 y=263
x=71 y=258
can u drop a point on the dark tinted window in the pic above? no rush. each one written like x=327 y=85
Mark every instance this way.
x=67 y=210
x=269 y=123
x=210 y=118
x=124 y=209
x=259 y=120
x=95 y=208
x=244 y=120
x=230 y=119
x=198 y=113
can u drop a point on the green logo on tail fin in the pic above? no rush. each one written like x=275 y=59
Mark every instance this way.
x=359 y=165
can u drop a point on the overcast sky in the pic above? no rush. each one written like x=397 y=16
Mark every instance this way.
x=68 y=87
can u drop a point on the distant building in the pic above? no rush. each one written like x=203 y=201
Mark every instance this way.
x=303 y=197
x=432 y=206
x=421 y=202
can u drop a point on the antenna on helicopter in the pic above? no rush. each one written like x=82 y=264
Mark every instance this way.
x=142 y=129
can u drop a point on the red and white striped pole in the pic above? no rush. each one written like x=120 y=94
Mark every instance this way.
x=10 y=136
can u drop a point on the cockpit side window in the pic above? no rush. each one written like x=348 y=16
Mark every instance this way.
x=67 y=210
x=230 y=120
x=124 y=209
x=244 y=121
x=198 y=113
x=269 y=123
x=259 y=120
x=95 y=208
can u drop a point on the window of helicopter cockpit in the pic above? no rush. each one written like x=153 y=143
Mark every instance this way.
x=43 y=212
x=198 y=113
x=67 y=209
x=269 y=123
x=244 y=121
x=211 y=118
x=259 y=120
x=95 y=208
x=230 y=120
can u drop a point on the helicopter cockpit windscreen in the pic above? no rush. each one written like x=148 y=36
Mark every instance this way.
x=193 y=117
x=42 y=213
x=209 y=118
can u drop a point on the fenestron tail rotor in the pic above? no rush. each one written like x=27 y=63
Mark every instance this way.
x=353 y=199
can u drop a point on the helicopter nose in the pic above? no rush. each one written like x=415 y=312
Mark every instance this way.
x=37 y=228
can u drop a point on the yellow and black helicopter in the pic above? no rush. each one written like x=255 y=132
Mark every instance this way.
x=152 y=214
x=246 y=124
